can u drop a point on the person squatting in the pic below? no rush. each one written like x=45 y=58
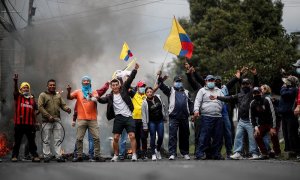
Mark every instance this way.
x=138 y=112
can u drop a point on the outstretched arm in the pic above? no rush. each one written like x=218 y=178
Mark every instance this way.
x=69 y=92
x=195 y=85
x=127 y=83
x=234 y=80
x=103 y=89
x=163 y=87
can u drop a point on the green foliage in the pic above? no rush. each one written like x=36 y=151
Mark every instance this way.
x=229 y=34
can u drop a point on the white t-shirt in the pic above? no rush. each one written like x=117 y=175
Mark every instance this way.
x=120 y=107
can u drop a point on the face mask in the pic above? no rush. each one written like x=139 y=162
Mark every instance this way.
x=257 y=97
x=26 y=94
x=210 y=85
x=142 y=90
x=178 y=85
x=298 y=70
x=218 y=85
x=246 y=89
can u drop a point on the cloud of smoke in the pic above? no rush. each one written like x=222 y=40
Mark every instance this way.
x=68 y=48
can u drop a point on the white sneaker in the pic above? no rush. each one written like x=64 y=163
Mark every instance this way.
x=254 y=157
x=115 y=158
x=172 y=157
x=154 y=157
x=236 y=156
x=186 y=157
x=158 y=155
x=134 y=157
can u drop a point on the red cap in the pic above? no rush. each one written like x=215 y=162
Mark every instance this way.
x=140 y=84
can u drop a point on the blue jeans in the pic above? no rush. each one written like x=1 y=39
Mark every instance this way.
x=156 y=127
x=266 y=140
x=181 y=125
x=245 y=126
x=122 y=144
x=211 y=129
x=91 y=146
x=227 y=134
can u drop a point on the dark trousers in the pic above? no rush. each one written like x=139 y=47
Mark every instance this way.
x=29 y=132
x=26 y=149
x=211 y=134
x=290 y=127
x=141 y=137
x=184 y=133
x=264 y=129
x=197 y=132
x=156 y=127
x=227 y=134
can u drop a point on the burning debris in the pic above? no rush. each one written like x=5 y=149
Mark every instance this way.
x=4 y=149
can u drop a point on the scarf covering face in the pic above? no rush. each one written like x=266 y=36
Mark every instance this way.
x=86 y=89
x=25 y=94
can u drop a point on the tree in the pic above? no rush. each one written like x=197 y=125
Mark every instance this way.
x=232 y=33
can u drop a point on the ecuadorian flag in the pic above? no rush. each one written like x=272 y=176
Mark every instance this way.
x=125 y=53
x=178 y=42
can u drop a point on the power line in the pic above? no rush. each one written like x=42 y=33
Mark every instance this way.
x=88 y=11
x=17 y=11
x=70 y=16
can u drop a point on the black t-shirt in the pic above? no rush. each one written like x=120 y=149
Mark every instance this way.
x=155 y=109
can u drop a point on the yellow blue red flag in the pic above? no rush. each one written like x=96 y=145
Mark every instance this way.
x=125 y=53
x=178 y=42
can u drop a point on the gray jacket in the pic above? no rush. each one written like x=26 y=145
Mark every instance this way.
x=145 y=111
x=205 y=105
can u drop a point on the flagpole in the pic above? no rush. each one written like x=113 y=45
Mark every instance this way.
x=157 y=76
x=126 y=68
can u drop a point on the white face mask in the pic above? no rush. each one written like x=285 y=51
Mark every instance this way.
x=142 y=90
x=298 y=70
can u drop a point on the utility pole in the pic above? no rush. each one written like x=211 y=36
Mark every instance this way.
x=31 y=12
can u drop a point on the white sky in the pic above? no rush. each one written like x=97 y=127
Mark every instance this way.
x=153 y=19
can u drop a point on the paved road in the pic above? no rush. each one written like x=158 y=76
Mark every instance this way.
x=173 y=170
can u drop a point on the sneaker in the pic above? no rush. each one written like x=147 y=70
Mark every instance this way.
x=172 y=157
x=236 y=156
x=121 y=158
x=154 y=157
x=201 y=157
x=158 y=155
x=263 y=157
x=27 y=158
x=134 y=158
x=186 y=157
x=98 y=159
x=60 y=159
x=36 y=159
x=114 y=159
x=46 y=159
x=298 y=157
x=228 y=157
x=254 y=157
x=0 y=160
x=14 y=159
x=78 y=159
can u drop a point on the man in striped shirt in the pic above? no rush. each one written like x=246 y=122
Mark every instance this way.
x=24 y=119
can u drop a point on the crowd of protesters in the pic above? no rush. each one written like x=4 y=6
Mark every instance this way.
x=138 y=111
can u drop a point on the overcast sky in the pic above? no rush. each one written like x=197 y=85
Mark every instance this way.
x=150 y=23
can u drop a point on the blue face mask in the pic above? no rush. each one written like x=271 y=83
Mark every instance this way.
x=298 y=70
x=142 y=90
x=211 y=85
x=178 y=85
x=86 y=89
